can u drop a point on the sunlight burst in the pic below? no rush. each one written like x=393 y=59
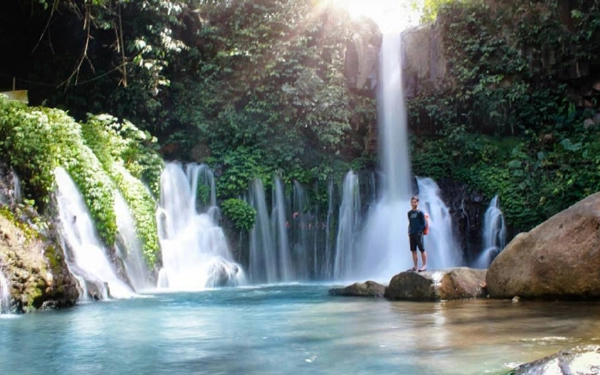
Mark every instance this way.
x=390 y=15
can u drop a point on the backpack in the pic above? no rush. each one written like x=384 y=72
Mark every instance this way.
x=426 y=230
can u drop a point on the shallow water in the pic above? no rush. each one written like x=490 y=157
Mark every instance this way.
x=291 y=329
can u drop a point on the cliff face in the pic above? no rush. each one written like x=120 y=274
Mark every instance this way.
x=31 y=258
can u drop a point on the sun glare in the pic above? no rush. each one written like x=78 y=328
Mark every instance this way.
x=390 y=15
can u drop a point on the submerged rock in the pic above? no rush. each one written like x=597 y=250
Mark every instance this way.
x=581 y=360
x=558 y=259
x=447 y=284
x=366 y=289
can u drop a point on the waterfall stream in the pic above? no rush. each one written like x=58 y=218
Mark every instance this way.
x=88 y=258
x=195 y=251
x=494 y=234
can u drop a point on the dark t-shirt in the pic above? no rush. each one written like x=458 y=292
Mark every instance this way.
x=416 y=221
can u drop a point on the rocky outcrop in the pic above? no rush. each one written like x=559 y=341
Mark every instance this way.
x=448 y=284
x=360 y=63
x=424 y=65
x=558 y=259
x=581 y=360
x=366 y=289
x=35 y=269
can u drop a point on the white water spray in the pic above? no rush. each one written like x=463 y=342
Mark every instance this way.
x=89 y=260
x=194 y=248
x=129 y=246
x=494 y=234
x=263 y=252
x=347 y=249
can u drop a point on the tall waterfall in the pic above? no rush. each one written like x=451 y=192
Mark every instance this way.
x=328 y=261
x=88 y=258
x=4 y=294
x=346 y=253
x=494 y=234
x=129 y=247
x=16 y=188
x=385 y=240
x=194 y=248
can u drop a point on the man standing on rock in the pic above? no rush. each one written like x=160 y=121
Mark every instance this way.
x=416 y=226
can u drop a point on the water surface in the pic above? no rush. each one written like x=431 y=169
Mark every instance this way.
x=290 y=329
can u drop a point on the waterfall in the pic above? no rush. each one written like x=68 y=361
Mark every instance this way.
x=281 y=226
x=440 y=244
x=89 y=258
x=327 y=269
x=195 y=252
x=4 y=295
x=129 y=247
x=346 y=255
x=385 y=242
x=494 y=234
x=16 y=188
x=302 y=230
x=263 y=252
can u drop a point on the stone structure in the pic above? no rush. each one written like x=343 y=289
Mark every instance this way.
x=366 y=289
x=558 y=259
x=448 y=284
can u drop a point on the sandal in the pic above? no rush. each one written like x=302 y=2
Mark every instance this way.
x=413 y=269
x=422 y=269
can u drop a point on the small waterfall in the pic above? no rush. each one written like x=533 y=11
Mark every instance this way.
x=327 y=269
x=302 y=230
x=16 y=188
x=494 y=234
x=281 y=226
x=263 y=252
x=194 y=248
x=346 y=256
x=440 y=244
x=4 y=295
x=89 y=258
x=129 y=247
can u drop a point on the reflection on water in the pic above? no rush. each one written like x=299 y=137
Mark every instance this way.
x=293 y=329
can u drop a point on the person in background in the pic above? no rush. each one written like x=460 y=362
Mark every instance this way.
x=416 y=226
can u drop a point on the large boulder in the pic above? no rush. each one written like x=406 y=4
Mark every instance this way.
x=448 y=284
x=366 y=289
x=558 y=259
x=581 y=360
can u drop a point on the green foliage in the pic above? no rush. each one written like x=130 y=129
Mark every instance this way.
x=503 y=123
x=240 y=212
x=99 y=155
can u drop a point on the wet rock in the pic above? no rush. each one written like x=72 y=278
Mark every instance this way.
x=558 y=259
x=366 y=289
x=447 y=284
x=581 y=360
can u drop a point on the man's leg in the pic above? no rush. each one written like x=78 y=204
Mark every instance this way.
x=424 y=259
x=415 y=260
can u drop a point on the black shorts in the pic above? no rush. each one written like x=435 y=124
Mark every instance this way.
x=416 y=241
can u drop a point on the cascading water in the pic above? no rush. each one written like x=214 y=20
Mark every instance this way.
x=263 y=252
x=494 y=234
x=385 y=240
x=440 y=244
x=16 y=187
x=302 y=230
x=89 y=259
x=280 y=226
x=327 y=269
x=195 y=252
x=4 y=295
x=346 y=253
x=129 y=247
